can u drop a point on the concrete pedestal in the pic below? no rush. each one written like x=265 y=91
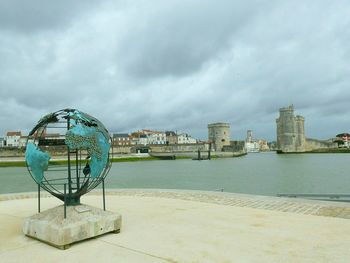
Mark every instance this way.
x=82 y=222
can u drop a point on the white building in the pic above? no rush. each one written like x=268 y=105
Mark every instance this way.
x=2 y=142
x=22 y=141
x=347 y=144
x=143 y=139
x=346 y=140
x=157 y=138
x=147 y=137
x=13 y=139
x=252 y=147
x=184 y=138
x=138 y=138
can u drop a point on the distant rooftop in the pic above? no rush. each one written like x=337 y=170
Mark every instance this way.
x=120 y=135
x=14 y=133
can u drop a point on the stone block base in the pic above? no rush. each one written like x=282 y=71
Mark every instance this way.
x=82 y=222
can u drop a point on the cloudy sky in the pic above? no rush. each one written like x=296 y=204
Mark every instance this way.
x=177 y=65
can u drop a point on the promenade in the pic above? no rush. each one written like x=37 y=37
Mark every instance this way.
x=190 y=226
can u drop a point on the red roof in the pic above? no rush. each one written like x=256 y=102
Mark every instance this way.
x=14 y=133
x=150 y=131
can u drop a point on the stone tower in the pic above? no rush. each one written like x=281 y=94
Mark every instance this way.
x=219 y=135
x=290 y=131
x=249 y=136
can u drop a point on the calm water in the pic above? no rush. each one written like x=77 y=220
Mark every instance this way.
x=259 y=173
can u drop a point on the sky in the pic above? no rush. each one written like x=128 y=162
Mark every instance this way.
x=177 y=65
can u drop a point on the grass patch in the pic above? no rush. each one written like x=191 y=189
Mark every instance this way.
x=13 y=164
x=64 y=162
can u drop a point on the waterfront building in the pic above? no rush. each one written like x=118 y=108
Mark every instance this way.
x=121 y=139
x=344 y=139
x=22 y=141
x=150 y=137
x=184 y=138
x=251 y=145
x=147 y=132
x=263 y=145
x=135 y=138
x=143 y=139
x=146 y=137
x=139 y=138
x=13 y=138
x=157 y=137
x=219 y=135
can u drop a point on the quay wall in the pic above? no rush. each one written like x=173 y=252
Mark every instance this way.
x=62 y=151
x=313 y=144
x=11 y=152
x=20 y=152
x=180 y=147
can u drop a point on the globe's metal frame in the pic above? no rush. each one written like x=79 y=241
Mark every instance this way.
x=68 y=189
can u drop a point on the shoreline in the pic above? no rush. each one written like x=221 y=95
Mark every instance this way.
x=21 y=163
x=330 y=150
x=58 y=160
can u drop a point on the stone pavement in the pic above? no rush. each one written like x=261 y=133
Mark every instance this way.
x=292 y=205
x=190 y=226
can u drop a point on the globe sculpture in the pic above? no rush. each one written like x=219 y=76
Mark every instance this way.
x=85 y=147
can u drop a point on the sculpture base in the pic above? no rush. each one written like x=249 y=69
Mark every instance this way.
x=82 y=222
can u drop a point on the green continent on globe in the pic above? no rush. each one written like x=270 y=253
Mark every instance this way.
x=37 y=160
x=89 y=138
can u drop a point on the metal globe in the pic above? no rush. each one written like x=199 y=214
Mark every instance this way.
x=84 y=147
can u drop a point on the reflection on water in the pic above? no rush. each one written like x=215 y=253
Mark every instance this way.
x=259 y=173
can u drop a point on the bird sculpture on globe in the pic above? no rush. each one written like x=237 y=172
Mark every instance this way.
x=81 y=146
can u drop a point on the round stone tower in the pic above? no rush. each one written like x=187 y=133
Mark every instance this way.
x=219 y=135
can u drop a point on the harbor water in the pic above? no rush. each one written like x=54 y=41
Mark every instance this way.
x=256 y=173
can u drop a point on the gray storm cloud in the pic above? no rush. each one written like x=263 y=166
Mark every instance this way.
x=28 y=17
x=177 y=64
x=178 y=44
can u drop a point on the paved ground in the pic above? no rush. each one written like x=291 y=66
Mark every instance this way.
x=181 y=226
